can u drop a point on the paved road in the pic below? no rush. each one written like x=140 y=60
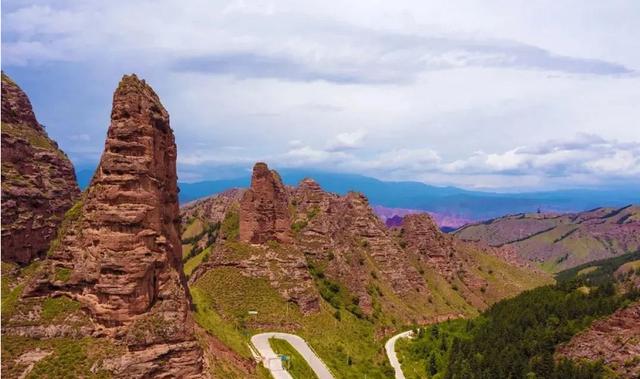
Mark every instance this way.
x=272 y=362
x=390 y=347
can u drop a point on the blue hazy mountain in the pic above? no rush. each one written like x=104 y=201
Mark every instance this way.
x=447 y=200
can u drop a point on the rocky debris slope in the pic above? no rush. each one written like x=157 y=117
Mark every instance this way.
x=264 y=208
x=38 y=181
x=615 y=340
x=563 y=241
x=118 y=254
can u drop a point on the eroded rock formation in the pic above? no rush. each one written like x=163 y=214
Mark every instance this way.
x=264 y=208
x=121 y=247
x=344 y=233
x=38 y=181
x=615 y=340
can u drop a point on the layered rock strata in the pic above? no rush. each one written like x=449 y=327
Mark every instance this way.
x=38 y=181
x=119 y=248
x=264 y=208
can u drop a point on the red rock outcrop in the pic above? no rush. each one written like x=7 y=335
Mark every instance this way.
x=345 y=234
x=121 y=245
x=38 y=181
x=422 y=238
x=615 y=340
x=264 y=208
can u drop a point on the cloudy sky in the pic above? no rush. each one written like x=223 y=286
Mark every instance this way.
x=480 y=94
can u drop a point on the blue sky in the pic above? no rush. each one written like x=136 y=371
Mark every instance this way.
x=488 y=95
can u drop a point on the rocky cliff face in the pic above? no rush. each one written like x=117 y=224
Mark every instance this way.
x=38 y=181
x=264 y=208
x=615 y=340
x=118 y=254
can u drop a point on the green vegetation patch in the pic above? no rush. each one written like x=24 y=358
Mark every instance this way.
x=70 y=217
x=68 y=358
x=234 y=294
x=194 y=228
x=516 y=337
x=427 y=354
x=14 y=279
x=295 y=364
x=603 y=272
x=299 y=225
x=56 y=308
x=335 y=294
x=350 y=346
x=62 y=274
x=230 y=227
x=194 y=262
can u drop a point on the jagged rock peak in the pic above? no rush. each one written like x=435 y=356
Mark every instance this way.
x=264 y=208
x=308 y=183
x=122 y=246
x=16 y=107
x=38 y=181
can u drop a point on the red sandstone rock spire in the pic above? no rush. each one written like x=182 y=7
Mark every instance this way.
x=38 y=181
x=264 y=208
x=123 y=247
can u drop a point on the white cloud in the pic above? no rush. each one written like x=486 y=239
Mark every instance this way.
x=347 y=141
x=406 y=89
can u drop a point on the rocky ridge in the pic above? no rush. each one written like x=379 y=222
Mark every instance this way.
x=311 y=244
x=38 y=181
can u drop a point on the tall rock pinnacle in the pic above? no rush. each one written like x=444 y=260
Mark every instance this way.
x=121 y=243
x=264 y=208
x=38 y=181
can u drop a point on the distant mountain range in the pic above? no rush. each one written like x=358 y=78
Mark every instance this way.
x=447 y=201
x=560 y=242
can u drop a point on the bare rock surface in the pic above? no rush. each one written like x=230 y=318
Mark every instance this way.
x=38 y=181
x=264 y=208
x=614 y=339
x=121 y=247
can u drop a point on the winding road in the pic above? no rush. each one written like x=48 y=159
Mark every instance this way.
x=272 y=362
x=390 y=347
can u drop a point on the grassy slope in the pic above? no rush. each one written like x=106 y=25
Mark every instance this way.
x=351 y=346
x=195 y=261
x=597 y=270
x=69 y=358
x=295 y=364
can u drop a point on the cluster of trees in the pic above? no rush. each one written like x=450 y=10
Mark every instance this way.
x=516 y=338
x=210 y=230
x=602 y=272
